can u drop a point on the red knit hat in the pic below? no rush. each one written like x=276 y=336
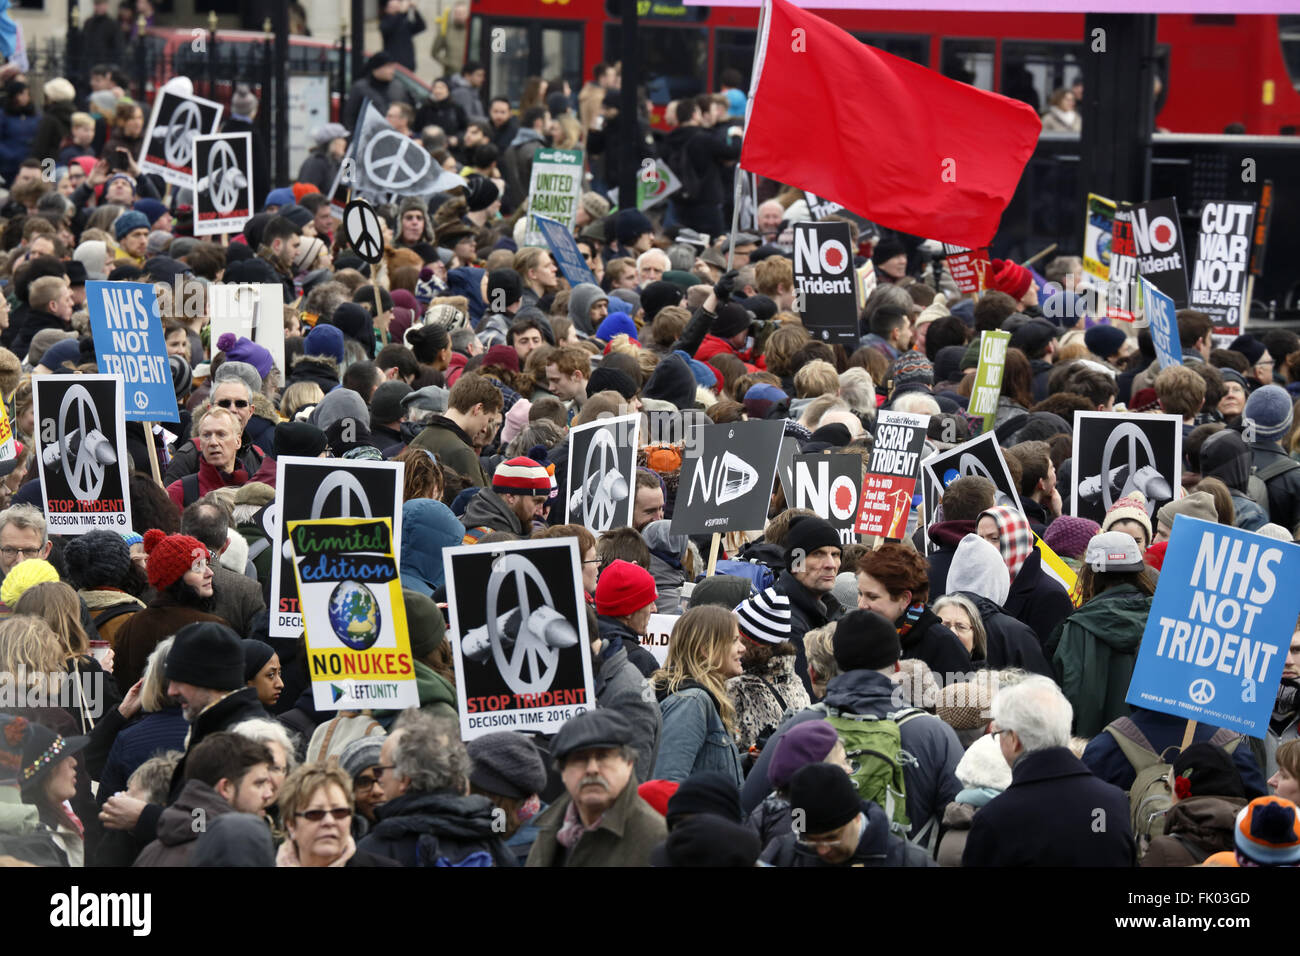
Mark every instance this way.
x=521 y=476
x=624 y=588
x=304 y=189
x=1011 y=278
x=170 y=556
x=657 y=793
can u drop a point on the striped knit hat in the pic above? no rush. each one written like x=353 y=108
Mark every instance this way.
x=521 y=476
x=765 y=617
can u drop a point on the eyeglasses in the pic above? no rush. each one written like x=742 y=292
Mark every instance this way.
x=365 y=783
x=814 y=842
x=592 y=561
x=379 y=769
x=316 y=816
x=11 y=553
x=233 y=403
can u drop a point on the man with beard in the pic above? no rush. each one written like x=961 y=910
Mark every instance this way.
x=280 y=241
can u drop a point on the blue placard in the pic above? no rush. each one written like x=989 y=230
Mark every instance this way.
x=1159 y=311
x=129 y=342
x=565 y=249
x=1220 y=626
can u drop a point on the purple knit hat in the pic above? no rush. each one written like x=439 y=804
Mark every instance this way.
x=242 y=350
x=1069 y=536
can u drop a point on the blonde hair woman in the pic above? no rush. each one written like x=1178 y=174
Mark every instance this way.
x=316 y=803
x=704 y=652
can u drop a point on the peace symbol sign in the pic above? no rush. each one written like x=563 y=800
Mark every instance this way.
x=1136 y=439
x=350 y=492
x=363 y=230
x=1201 y=692
x=600 y=496
x=178 y=142
x=529 y=648
x=395 y=162
x=83 y=471
x=225 y=179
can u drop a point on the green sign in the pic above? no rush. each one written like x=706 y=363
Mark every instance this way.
x=554 y=190
x=988 y=376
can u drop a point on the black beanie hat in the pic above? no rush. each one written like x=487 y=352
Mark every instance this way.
x=206 y=654
x=808 y=533
x=298 y=438
x=705 y=792
x=706 y=839
x=1209 y=772
x=865 y=641
x=732 y=319
x=886 y=249
x=611 y=379
x=658 y=295
x=256 y=654
x=97 y=559
x=826 y=795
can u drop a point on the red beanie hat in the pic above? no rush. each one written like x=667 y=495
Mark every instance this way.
x=303 y=189
x=170 y=556
x=1011 y=278
x=657 y=793
x=624 y=588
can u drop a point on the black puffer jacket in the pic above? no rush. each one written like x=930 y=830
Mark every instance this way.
x=1036 y=599
x=876 y=847
x=437 y=829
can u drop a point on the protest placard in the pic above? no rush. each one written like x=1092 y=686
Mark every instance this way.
x=1158 y=243
x=1218 y=286
x=519 y=635
x=988 y=376
x=358 y=648
x=254 y=311
x=828 y=486
x=565 y=249
x=601 y=478
x=968 y=267
x=554 y=190
x=726 y=480
x=1123 y=266
x=1116 y=453
x=167 y=147
x=1099 y=216
x=1158 y=310
x=384 y=165
x=129 y=342
x=890 y=482
x=81 y=452
x=657 y=634
x=308 y=489
x=824 y=282
x=1220 y=625
x=980 y=456
x=223 y=183
x=8 y=446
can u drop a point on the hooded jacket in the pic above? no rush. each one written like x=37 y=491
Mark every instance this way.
x=437 y=694
x=621 y=686
x=1095 y=652
x=876 y=847
x=517 y=164
x=947 y=535
x=487 y=509
x=466 y=97
x=931 y=782
x=1011 y=643
x=177 y=833
x=429 y=527
x=453 y=449
x=581 y=299
x=671 y=381
x=1225 y=456
x=1194 y=829
x=1283 y=490
x=1033 y=598
x=441 y=828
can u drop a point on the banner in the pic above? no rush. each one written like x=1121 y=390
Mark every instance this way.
x=254 y=311
x=81 y=452
x=726 y=479
x=825 y=296
x=358 y=648
x=1158 y=309
x=890 y=482
x=968 y=267
x=387 y=166
x=1123 y=266
x=308 y=489
x=1220 y=627
x=657 y=634
x=785 y=466
x=167 y=147
x=1099 y=217
x=601 y=479
x=223 y=183
x=980 y=456
x=1222 y=259
x=554 y=190
x=129 y=342
x=518 y=631
x=867 y=280
x=8 y=446
x=1158 y=243
x=1116 y=453
x=828 y=486
x=653 y=189
x=565 y=249
x=988 y=377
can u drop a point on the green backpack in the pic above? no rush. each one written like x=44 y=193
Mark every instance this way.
x=1149 y=798
x=874 y=747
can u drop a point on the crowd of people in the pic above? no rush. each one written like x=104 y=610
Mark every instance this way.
x=940 y=700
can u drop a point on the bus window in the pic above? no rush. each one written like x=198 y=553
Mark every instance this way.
x=1033 y=70
x=1288 y=32
x=508 y=70
x=969 y=61
x=916 y=49
x=733 y=49
x=562 y=55
x=674 y=60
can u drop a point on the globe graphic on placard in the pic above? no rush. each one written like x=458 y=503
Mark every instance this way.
x=354 y=615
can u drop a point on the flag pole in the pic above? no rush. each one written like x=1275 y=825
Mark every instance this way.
x=760 y=52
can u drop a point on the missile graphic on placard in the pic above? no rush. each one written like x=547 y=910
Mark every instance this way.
x=99 y=447
x=546 y=625
x=611 y=486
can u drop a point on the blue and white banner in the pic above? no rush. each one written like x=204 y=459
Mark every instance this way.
x=129 y=342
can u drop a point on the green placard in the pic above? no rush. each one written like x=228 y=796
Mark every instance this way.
x=988 y=376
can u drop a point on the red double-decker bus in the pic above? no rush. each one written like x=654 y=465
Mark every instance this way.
x=1214 y=69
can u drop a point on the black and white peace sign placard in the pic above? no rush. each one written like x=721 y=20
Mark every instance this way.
x=364 y=231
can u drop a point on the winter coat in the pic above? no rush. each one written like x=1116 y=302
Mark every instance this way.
x=947 y=535
x=931 y=782
x=138 y=637
x=694 y=738
x=437 y=694
x=448 y=115
x=186 y=459
x=517 y=165
x=763 y=701
x=453 y=449
x=417 y=829
x=467 y=98
x=17 y=133
x=237 y=598
x=487 y=509
x=83 y=803
x=625 y=835
x=397 y=29
x=942 y=651
x=55 y=126
x=381 y=95
x=876 y=847
x=1194 y=829
x=1095 y=650
x=704 y=150
x=1011 y=643
x=1047 y=818
x=621 y=686
x=238 y=705
x=957 y=819
x=1008 y=409
x=1283 y=490
x=210 y=479
x=23 y=835
x=102 y=38
x=1037 y=599
x=319 y=168
x=669 y=577
x=36 y=321
x=177 y=832
x=807 y=613
x=618 y=634
x=503 y=136
x=314 y=368
x=146 y=736
x=1163 y=731
x=772 y=818
x=100 y=603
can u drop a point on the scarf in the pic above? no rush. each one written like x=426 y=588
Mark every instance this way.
x=909 y=619
x=287 y=855
x=573 y=829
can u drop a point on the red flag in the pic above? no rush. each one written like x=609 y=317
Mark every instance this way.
x=893 y=141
